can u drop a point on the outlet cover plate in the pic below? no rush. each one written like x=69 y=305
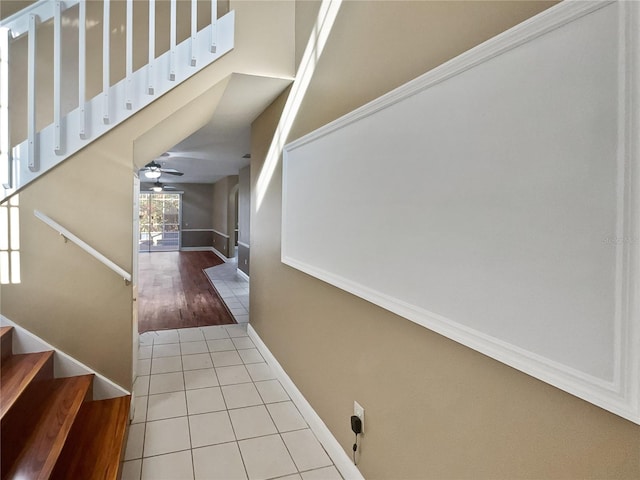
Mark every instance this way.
x=358 y=411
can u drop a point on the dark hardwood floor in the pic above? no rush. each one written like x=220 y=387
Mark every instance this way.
x=174 y=292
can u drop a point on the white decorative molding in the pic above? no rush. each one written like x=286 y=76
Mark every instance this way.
x=63 y=364
x=339 y=457
x=197 y=230
x=220 y=233
x=614 y=386
x=245 y=245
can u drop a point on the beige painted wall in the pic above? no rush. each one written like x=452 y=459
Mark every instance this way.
x=66 y=297
x=197 y=207
x=9 y=7
x=434 y=408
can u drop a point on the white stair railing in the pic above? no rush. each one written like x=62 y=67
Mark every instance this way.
x=67 y=235
x=43 y=149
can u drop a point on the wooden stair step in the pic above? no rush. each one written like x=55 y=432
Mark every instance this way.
x=18 y=372
x=6 y=342
x=45 y=443
x=95 y=446
x=26 y=380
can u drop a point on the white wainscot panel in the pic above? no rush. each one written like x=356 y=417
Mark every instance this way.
x=510 y=175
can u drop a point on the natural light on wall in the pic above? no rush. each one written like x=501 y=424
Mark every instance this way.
x=10 y=241
x=317 y=40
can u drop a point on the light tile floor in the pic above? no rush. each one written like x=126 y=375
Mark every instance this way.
x=207 y=406
x=232 y=287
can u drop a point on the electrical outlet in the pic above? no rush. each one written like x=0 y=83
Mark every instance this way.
x=358 y=411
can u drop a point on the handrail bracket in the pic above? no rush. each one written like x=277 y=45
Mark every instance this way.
x=67 y=235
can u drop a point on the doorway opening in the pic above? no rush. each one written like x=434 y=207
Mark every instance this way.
x=159 y=229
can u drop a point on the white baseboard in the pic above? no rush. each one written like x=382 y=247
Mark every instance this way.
x=339 y=457
x=242 y=274
x=63 y=364
x=221 y=255
x=207 y=249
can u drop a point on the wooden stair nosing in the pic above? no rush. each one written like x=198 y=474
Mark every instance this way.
x=46 y=441
x=6 y=343
x=100 y=433
x=18 y=372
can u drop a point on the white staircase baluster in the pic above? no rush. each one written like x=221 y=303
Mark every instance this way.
x=214 y=22
x=106 y=57
x=68 y=132
x=33 y=160
x=172 y=51
x=82 y=68
x=129 y=57
x=57 y=66
x=6 y=164
x=194 y=30
x=152 y=46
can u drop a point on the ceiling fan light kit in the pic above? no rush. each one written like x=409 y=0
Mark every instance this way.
x=158 y=187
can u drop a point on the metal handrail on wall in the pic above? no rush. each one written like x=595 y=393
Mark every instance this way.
x=67 y=235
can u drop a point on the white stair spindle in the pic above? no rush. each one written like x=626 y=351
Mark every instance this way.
x=194 y=30
x=214 y=25
x=33 y=160
x=106 y=34
x=70 y=125
x=6 y=164
x=82 y=67
x=152 y=46
x=57 y=72
x=129 y=57
x=172 y=51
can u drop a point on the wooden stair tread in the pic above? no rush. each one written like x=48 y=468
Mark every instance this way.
x=46 y=441
x=18 y=371
x=5 y=342
x=99 y=434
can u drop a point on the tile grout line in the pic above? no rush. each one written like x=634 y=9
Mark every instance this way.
x=235 y=435
x=146 y=413
x=227 y=410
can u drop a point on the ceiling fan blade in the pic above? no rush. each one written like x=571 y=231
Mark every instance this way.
x=171 y=171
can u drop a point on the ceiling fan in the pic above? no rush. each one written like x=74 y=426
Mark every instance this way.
x=160 y=187
x=154 y=170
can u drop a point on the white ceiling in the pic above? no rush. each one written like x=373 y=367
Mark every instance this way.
x=216 y=150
